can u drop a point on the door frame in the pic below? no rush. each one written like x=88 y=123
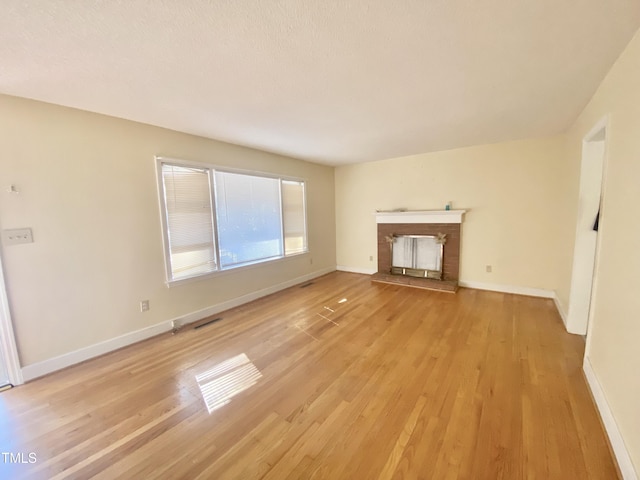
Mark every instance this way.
x=8 y=348
x=578 y=324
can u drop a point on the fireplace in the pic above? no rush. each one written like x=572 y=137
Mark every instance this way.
x=419 y=248
x=417 y=256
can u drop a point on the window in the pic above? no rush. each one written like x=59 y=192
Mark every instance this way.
x=293 y=211
x=189 y=221
x=216 y=220
x=249 y=218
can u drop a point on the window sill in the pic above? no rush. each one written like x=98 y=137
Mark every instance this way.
x=231 y=270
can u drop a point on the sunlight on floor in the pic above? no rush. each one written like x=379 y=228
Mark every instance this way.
x=227 y=379
x=310 y=325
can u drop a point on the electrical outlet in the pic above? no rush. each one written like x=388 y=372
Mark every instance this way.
x=16 y=236
x=488 y=268
x=176 y=325
x=144 y=305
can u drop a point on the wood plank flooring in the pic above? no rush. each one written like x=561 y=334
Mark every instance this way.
x=342 y=379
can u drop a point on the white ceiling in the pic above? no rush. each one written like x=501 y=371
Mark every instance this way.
x=330 y=81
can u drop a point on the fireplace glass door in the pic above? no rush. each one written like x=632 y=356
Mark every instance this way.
x=416 y=256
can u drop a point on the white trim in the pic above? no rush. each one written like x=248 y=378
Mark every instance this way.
x=421 y=216
x=611 y=427
x=602 y=124
x=249 y=297
x=50 y=365
x=560 y=308
x=364 y=271
x=8 y=346
x=582 y=297
x=531 y=292
x=234 y=269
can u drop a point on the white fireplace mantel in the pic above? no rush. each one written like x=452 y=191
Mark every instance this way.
x=420 y=216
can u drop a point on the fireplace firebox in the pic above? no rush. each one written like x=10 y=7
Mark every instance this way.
x=417 y=256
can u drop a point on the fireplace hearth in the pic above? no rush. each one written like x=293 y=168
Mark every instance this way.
x=419 y=248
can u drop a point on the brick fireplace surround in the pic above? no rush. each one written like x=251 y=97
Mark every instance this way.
x=420 y=223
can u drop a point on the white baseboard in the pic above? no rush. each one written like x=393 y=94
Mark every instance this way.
x=610 y=425
x=560 y=308
x=235 y=302
x=531 y=292
x=39 y=369
x=364 y=271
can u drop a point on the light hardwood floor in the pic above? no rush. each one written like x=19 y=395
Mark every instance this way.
x=394 y=382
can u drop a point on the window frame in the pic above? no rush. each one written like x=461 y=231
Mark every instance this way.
x=211 y=169
x=304 y=217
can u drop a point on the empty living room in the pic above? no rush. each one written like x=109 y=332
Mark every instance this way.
x=319 y=240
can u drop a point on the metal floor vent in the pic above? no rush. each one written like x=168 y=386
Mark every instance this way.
x=207 y=323
x=306 y=285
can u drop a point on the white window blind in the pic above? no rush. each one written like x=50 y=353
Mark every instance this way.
x=187 y=197
x=249 y=222
x=293 y=212
x=216 y=220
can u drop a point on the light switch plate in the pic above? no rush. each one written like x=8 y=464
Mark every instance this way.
x=15 y=236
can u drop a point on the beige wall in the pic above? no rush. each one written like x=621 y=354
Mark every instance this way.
x=88 y=189
x=519 y=215
x=614 y=331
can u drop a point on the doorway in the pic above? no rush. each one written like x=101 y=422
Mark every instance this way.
x=4 y=375
x=594 y=149
x=10 y=372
